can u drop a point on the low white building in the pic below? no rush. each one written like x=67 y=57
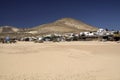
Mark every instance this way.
x=87 y=34
x=101 y=32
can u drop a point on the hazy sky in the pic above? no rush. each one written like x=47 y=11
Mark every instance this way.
x=29 y=13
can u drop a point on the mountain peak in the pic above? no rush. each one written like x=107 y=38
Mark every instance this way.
x=66 y=20
x=64 y=25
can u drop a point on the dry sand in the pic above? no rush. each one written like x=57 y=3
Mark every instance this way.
x=89 y=60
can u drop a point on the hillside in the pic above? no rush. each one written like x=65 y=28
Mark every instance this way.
x=63 y=25
x=8 y=29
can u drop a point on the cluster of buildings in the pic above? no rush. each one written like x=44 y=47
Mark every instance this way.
x=101 y=34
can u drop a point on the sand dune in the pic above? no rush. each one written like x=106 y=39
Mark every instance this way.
x=89 y=60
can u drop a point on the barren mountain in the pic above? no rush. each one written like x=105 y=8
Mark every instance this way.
x=63 y=25
x=8 y=29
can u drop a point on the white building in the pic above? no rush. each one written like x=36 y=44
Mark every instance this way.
x=101 y=32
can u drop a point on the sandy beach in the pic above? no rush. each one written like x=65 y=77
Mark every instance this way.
x=81 y=60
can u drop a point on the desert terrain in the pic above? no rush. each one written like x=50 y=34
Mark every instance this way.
x=80 y=60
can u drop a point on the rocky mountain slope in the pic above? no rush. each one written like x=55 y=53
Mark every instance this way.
x=63 y=25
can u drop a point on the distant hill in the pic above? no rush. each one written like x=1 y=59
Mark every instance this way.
x=8 y=29
x=64 y=25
